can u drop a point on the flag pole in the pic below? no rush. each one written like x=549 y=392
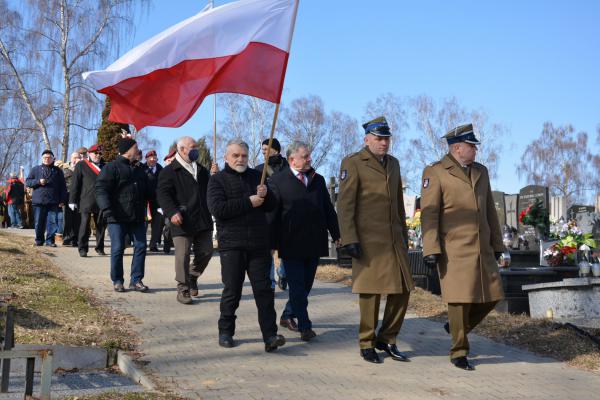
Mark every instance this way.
x=264 y=171
x=211 y=3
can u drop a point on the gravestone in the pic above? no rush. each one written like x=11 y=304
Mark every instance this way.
x=558 y=208
x=578 y=209
x=588 y=222
x=511 y=202
x=527 y=196
x=410 y=203
x=500 y=206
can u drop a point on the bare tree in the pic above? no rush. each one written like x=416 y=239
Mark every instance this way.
x=561 y=160
x=433 y=120
x=248 y=118
x=347 y=140
x=305 y=120
x=46 y=48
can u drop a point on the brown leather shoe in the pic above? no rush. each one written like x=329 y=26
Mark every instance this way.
x=183 y=296
x=289 y=323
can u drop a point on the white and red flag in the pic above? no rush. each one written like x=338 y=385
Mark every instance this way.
x=240 y=47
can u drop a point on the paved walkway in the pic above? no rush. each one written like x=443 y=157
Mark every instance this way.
x=180 y=346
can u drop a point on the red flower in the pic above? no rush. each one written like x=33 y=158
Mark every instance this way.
x=521 y=215
x=568 y=250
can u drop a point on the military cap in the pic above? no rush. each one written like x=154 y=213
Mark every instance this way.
x=95 y=149
x=171 y=154
x=462 y=133
x=377 y=127
x=151 y=153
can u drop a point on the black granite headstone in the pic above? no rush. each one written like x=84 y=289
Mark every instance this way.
x=527 y=196
x=500 y=206
x=578 y=209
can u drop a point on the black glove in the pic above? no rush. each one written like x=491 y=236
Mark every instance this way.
x=431 y=260
x=497 y=254
x=354 y=250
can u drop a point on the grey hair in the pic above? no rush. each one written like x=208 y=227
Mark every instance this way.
x=239 y=142
x=295 y=146
x=183 y=139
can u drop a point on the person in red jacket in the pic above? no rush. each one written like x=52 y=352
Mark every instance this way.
x=15 y=198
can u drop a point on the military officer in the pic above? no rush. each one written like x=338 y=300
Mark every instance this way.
x=461 y=236
x=373 y=227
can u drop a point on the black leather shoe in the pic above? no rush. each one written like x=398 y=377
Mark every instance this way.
x=370 y=355
x=153 y=249
x=100 y=252
x=289 y=323
x=308 y=335
x=392 y=351
x=462 y=363
x=82 y=253
x=226 y=341
x=272 y=343
x=166 y=249
x=447 y=327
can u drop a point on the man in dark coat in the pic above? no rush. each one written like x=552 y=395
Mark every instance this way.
x=276 y=163
x=182 y=196
x=303 y=217
x=72 y=218
x=122 y=192
x=239 y=203
x=49 y=195
x=153 y=169
x=83 y=197
x=15 y=198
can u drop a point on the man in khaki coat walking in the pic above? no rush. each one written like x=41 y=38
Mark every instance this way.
x=373 y=227
x=461 y=235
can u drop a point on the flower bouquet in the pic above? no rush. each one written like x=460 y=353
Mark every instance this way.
x=570 y=240
x=414 y=230
x=536 y=215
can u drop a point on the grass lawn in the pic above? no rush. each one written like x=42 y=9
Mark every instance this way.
x=50 y=310
x=543 y=337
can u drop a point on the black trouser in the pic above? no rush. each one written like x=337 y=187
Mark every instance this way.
x=71 y=229
x=83 y=240
x=156 y=228
x=234 y=266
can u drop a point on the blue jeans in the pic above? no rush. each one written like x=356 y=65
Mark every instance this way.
x=300 y=276
x=46 y=220
x=14 y=213
x=117 y=233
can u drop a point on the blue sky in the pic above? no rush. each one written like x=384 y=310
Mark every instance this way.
x=523 y=62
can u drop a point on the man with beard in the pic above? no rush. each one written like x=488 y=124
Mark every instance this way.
x=83 y=197
x=239 y=204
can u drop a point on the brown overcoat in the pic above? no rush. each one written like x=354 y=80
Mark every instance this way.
x=370 y=210
x=459 y=221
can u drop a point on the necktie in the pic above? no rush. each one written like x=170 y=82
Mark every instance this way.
x=301 y=178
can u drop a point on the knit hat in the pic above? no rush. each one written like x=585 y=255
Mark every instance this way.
x=274 y=145
x=47 y=151
x=125 y=144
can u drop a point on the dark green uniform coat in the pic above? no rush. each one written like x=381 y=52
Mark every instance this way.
x=459 y=221
x=371 y=212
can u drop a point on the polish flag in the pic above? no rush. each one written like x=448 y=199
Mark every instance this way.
x=240 y=47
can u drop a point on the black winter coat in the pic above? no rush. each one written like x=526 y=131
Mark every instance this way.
x=83 y=187
x=239 y=225
x=303 y=217
x=54 y=191
x=122 y=192
x=153 y=182
x=276 y=163
x=179 y=192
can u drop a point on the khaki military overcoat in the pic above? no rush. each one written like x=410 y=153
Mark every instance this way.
x=371 y=212
x=459 y=221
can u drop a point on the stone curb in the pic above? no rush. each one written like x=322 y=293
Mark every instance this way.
x=128 y=368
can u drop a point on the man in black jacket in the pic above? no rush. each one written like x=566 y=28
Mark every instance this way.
x=15 y=199
x=122 y=192
x=49 y=195
x=304 y=215
x=239 y=202
x=153 y=169
x=275 y=164
x=83 y=197
x=182 y=196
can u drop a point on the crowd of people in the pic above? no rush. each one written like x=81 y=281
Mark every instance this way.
x=290 y=215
